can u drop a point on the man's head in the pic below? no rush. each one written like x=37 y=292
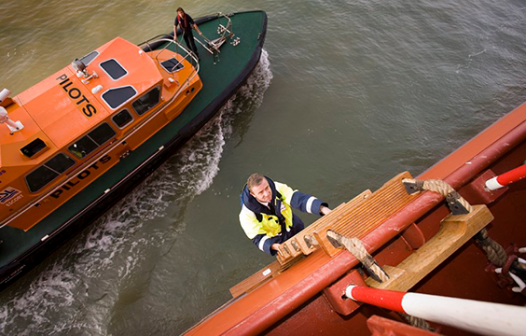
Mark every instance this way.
x=180 y=11
x=259 y=188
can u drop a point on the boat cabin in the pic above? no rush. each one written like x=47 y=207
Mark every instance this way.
x=63 y=133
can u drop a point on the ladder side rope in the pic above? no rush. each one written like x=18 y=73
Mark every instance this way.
x=416 y=322
x=356 y=248
x=495 y=252
x=439 y=187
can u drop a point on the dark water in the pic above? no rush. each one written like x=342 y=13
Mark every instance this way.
x=348 y=94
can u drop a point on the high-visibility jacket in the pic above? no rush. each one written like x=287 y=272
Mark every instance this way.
x=275 y=223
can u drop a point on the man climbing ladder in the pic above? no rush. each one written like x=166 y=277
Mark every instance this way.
x=266 y=212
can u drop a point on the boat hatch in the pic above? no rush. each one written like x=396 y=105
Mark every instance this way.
x=92 y=140
x=49 y=171
x=89 y=57
x=113 y=69
x=122 y=118
x=147 y=101
x=118 y=96
x=34 y=147
x=172 y=65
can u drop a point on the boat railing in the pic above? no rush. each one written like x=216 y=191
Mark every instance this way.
x=163 y=39
x=116 y=142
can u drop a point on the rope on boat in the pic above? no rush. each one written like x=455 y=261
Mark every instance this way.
x=355 y=246
x=416 y=322
x=495 y=252
x=454 y=200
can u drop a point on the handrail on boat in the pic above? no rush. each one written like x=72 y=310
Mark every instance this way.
x=114 y=143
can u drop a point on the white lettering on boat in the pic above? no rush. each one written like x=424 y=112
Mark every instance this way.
x=14 y=200
x=7 y=195
x=76 y=95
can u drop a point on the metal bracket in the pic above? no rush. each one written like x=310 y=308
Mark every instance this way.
x=413 y=187
x=454 y=205
x=333 y=241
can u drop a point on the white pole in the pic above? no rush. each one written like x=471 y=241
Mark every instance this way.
x=480 y=317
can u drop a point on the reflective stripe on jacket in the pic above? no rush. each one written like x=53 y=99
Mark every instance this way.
x=265 y=225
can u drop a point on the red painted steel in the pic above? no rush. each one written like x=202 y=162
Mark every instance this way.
x=321 y=278
x=335 y=293
x=477 y=193
x=269 y=304
x=380 y=326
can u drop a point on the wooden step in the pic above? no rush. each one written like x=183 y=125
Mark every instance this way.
x=304 y=242
x=368 y=215
x=454 y=232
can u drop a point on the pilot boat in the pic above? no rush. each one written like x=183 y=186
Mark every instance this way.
x=79 y=140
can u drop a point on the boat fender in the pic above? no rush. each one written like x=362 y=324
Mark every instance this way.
x=96 y=89
x=4 y=94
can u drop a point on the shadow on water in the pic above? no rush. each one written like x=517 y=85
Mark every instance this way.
x=88 y=282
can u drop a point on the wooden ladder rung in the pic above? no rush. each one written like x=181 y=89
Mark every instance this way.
x=367 y=216
x=304 y=242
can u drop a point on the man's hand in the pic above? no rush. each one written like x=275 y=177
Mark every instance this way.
x=275 y=247
x=324 y=210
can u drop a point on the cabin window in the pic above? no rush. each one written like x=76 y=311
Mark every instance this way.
x=102 y=134
x=172 y=65
x=87 y=144
x=46 y=173
x=113 y=69
x=116 y=97
x=146 y=102
x=89 y=57
x=122 y=118
x=33 y=147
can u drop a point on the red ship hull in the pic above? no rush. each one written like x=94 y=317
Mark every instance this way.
x=302 y=299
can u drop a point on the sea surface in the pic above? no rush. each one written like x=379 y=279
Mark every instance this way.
x=347 y=94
